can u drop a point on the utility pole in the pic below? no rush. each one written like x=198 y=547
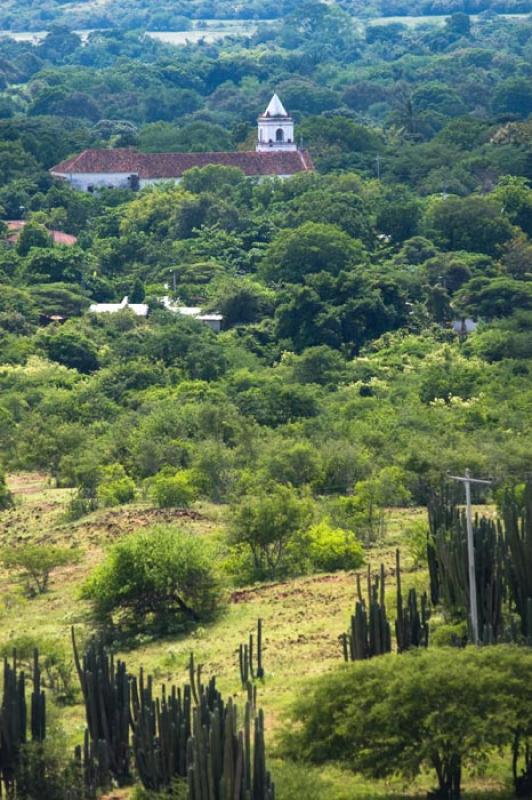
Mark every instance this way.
x=467 y=480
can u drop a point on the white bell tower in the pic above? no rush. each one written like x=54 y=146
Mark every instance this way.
x=276 y=128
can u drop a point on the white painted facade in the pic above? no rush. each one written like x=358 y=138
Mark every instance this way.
x=275 y=128
x=212 y=320
x=139 y=309
x=87 y=182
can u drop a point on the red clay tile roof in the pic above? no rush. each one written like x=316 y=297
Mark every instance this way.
x=59 y=237
x=173 y=165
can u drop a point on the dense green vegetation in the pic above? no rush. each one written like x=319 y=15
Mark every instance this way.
x=336 y=391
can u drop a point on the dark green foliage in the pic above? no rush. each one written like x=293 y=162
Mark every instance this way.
x=6 y=498
x=437 y=709
x=517 y=518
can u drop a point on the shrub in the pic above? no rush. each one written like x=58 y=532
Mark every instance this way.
x=270 y=526
x=116 y=487
x=36 y=562
x=416 y=536
x=331 y=549
x=172 y=490
x=160 y=574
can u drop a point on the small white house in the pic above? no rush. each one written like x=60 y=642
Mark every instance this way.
x=139 y=309
x=212 y=320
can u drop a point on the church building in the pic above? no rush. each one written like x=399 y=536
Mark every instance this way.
x=276 y=155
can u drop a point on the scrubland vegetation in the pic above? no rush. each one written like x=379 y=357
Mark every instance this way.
x=164 y=487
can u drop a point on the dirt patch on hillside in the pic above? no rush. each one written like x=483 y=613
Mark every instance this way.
x=120 y=521
x=28 y=482
x=283 y=590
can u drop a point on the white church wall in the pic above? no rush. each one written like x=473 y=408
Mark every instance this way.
x=84 y=181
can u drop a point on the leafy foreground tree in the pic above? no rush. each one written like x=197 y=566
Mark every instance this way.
x=438 y=709
x=160 y=574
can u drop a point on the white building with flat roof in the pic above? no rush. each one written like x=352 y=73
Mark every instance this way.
x=139 y=309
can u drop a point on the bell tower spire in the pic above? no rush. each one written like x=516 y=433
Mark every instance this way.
x=276 y=128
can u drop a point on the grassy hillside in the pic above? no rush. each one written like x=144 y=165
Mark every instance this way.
x=302 y=617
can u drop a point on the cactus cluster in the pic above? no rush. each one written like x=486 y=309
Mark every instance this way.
x=503 y=565
x=250 y=665
x=14 y=719
x=518 y=539
x=411 y=623
x=162 y=726
x=186 y=733
x=223 y=762
x=106 y=693
x=369 y=633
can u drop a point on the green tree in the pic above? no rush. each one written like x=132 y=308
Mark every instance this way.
x=439 y=709
x=70 y=348
x=312 y=247
x=115 y=487
x=32 y=235
x=36 y=562
x=331 y=549
x=269 y=527
x=6 y=498
x=296 y=464
x=160 y=573
x=476 y=224
x=372 y=496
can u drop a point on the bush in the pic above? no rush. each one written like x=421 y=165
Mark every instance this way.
x=116 y=487
x=416 y=537
x=331 y=549
x=271 y=528
x=175 y=490
x=159 y=574
x=36 y=562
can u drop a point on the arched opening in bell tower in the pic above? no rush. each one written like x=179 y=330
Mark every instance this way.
x=279 y=135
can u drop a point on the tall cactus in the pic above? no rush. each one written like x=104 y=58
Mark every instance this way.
x=222 y=763
x=448 y=564
x=14 y=719
x=106 y=693
x=249 y=670
x=411 y=624
x=369 y=634
x=518 y=538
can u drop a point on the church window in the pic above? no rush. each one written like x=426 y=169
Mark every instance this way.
x=279 y=135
